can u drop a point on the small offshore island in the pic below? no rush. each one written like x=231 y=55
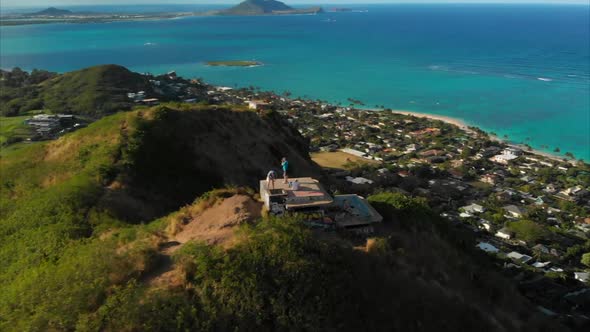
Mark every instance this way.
x=234 y=63
x=246 y=8
x=55 y=15
x=267 y=7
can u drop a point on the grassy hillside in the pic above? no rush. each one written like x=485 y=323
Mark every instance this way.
x=58 y=198
x=13 y=129
x=84 y=221
x=93 y=92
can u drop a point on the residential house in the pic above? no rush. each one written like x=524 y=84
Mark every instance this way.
x=354 y=152
x=541 y=265
x=512 y=151
x=358 y=180
x=541 y=249
x=505 y=234
x=503 y=159
x=489 y=152
x=431 y=153
x=519 y=258
x=582 y=276
x=489 y=178
x=513 y=211
x=258 y=105
x=473 y=208
x=487 y=247
x=484 y=224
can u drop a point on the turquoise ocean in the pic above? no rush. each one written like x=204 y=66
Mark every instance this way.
x=516 y=70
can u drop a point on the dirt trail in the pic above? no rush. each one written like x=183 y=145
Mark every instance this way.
x=214 y=226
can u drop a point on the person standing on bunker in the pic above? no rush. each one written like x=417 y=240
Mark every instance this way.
x=285 y=165
x=270 y=179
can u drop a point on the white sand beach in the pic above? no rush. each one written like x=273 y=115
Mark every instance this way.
x=463 y=126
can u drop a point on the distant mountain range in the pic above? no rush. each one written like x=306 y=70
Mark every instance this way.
x=52 y=11
x=246 y=8
x=266 y=7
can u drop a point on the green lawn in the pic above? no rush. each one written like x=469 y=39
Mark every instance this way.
x=13 y=127
x=338 y=159
x=481 y=185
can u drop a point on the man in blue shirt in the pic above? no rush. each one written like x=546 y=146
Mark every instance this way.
x=285 y=165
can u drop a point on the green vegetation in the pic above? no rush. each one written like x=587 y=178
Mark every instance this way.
x=19 y=92
x=69 y=209
x=338 y=159
x=93 y=92
x=83 y=223
x=586 y=259
x=279 y=276
x=529 y=231
x=64 y=241
x=401 y=208
x=13 y=129
x=239 y=63
x=54 y=266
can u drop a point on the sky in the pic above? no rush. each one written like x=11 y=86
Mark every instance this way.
x=48 y=3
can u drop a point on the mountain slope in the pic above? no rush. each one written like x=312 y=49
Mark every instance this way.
x=94 y=92
x=259 y=7
x=59 y=197
x=52 y=11
x=73 y=255
x=265 y=7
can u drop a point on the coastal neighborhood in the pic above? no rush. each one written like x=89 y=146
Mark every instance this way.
x=272 y=165
x=528 y=210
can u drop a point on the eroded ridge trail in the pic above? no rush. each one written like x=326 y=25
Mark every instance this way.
x=214 y=225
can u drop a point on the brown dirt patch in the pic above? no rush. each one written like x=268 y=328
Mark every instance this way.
x=338 y=159
x=216 y=224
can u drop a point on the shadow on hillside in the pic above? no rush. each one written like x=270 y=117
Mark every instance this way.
x=175 y=156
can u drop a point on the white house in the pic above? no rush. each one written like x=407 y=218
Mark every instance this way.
x=541 y=265
x=503 y=159
x=582 y=276
x=473 y=208
x=354 y=152
x=518 y=257
x=485 y=224
x=504 y=234
x=513 y=211
x=325 y=116
x=358 y=180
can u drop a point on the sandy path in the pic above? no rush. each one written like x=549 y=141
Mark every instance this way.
x=214 y=226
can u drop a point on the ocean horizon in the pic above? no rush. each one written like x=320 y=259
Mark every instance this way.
x=520 y=71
